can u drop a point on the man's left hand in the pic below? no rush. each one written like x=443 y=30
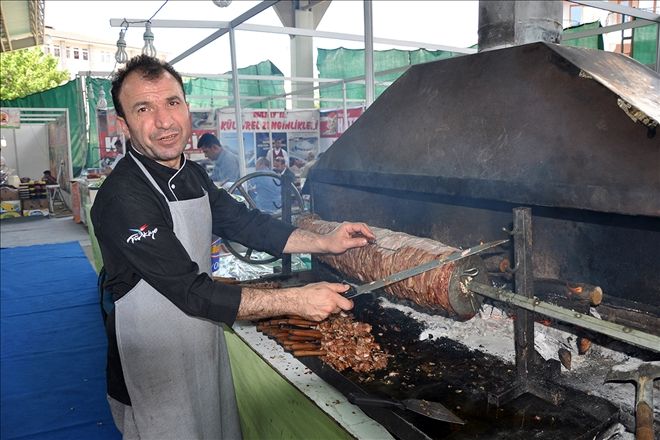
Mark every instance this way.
x=347 y=236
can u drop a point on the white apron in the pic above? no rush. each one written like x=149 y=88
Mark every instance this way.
x=176 y=367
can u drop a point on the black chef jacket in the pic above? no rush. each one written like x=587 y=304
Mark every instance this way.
x=127 y=201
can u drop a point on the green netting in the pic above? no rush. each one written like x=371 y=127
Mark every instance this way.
x=215 y=92
x=349 y=63
x=65 y=96
x=593 y=42
x=645 y=40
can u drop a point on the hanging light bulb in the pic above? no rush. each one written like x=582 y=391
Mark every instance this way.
x=148 y=48
x=121 y=56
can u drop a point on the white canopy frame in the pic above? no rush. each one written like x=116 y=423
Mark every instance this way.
x=238 y=23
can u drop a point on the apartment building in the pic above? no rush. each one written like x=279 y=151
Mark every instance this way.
x=83 y=53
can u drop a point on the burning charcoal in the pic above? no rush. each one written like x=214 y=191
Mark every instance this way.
x=565 y=358
x=584 y=345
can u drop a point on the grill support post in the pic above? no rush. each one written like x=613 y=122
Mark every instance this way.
x=532 y=370
x=287 y=183
x=523 y=329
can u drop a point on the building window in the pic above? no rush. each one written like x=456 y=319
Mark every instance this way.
x=68 y=52
x=76 y=53
x=56 y=51
x=85 y=55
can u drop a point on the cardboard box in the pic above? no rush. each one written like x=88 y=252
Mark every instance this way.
x=7 y=193
x=10 y=206
x=36 y=212
x=30 y=204
x=9 y=214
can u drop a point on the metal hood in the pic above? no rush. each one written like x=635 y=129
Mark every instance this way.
x=539 y=124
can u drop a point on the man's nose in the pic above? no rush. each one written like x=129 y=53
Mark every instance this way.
x=163 y=118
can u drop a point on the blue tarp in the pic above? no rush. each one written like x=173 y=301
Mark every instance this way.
x=53 y=346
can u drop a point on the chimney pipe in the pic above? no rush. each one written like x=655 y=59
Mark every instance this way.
x=512 y=23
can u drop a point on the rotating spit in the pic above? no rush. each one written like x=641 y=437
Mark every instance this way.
x=441 y=291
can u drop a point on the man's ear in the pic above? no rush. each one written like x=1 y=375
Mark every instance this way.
x=124 y=126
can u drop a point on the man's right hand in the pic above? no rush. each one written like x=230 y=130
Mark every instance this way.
x=314 y=301
x=320 y=300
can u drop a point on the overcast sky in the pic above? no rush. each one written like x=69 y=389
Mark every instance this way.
x=451 y=23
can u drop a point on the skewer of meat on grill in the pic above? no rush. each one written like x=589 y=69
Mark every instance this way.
x=340 y=341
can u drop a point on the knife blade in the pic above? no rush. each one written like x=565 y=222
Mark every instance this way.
x=402 y=275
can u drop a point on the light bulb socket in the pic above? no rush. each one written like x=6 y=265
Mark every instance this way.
x=121 y=42
x=148 y=35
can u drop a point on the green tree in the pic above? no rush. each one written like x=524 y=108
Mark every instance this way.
x=27 y=71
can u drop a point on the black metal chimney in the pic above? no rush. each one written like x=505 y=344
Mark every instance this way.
x=512 y=23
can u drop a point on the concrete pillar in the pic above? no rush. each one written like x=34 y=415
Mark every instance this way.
x=512 y=23
x=305 y=14
x=302 y=60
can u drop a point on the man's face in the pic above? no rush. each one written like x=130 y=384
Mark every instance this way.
x=279 y=165
x=212 y=152
x=156 y=117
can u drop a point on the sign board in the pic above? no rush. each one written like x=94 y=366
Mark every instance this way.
x=295 y=131
x=332 y=124
x=10 y=118
x=111 y=138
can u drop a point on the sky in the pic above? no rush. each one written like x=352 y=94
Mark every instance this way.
x=451 y=23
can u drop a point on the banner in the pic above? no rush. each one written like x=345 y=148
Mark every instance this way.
x=294 y=131
x=332 y=124
x=111 y=138
x=10 y=118
x=203 y=121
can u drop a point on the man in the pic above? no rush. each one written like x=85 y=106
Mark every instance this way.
x=48 y=178
x=279 y=165
x=226 y=167
x=168 y=368
x=277 y=152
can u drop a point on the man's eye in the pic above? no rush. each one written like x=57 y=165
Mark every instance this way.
x=174 y=103
x=141 y=109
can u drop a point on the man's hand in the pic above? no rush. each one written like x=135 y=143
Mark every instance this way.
x=314 y=301
x=319 y=300
x=345 y=236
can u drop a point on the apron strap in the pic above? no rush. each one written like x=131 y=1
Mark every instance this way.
x=146 y=173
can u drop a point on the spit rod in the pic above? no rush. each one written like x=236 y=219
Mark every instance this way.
x=616 y=331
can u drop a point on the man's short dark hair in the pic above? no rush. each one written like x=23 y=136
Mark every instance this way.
x=151 y=68
x=47 y=172
x=208 y=140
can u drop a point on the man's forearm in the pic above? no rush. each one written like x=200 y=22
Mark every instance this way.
x=264 y=303
x=314 y=301
x=301 y=240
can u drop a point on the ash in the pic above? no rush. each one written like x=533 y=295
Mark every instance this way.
x=491 y=332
